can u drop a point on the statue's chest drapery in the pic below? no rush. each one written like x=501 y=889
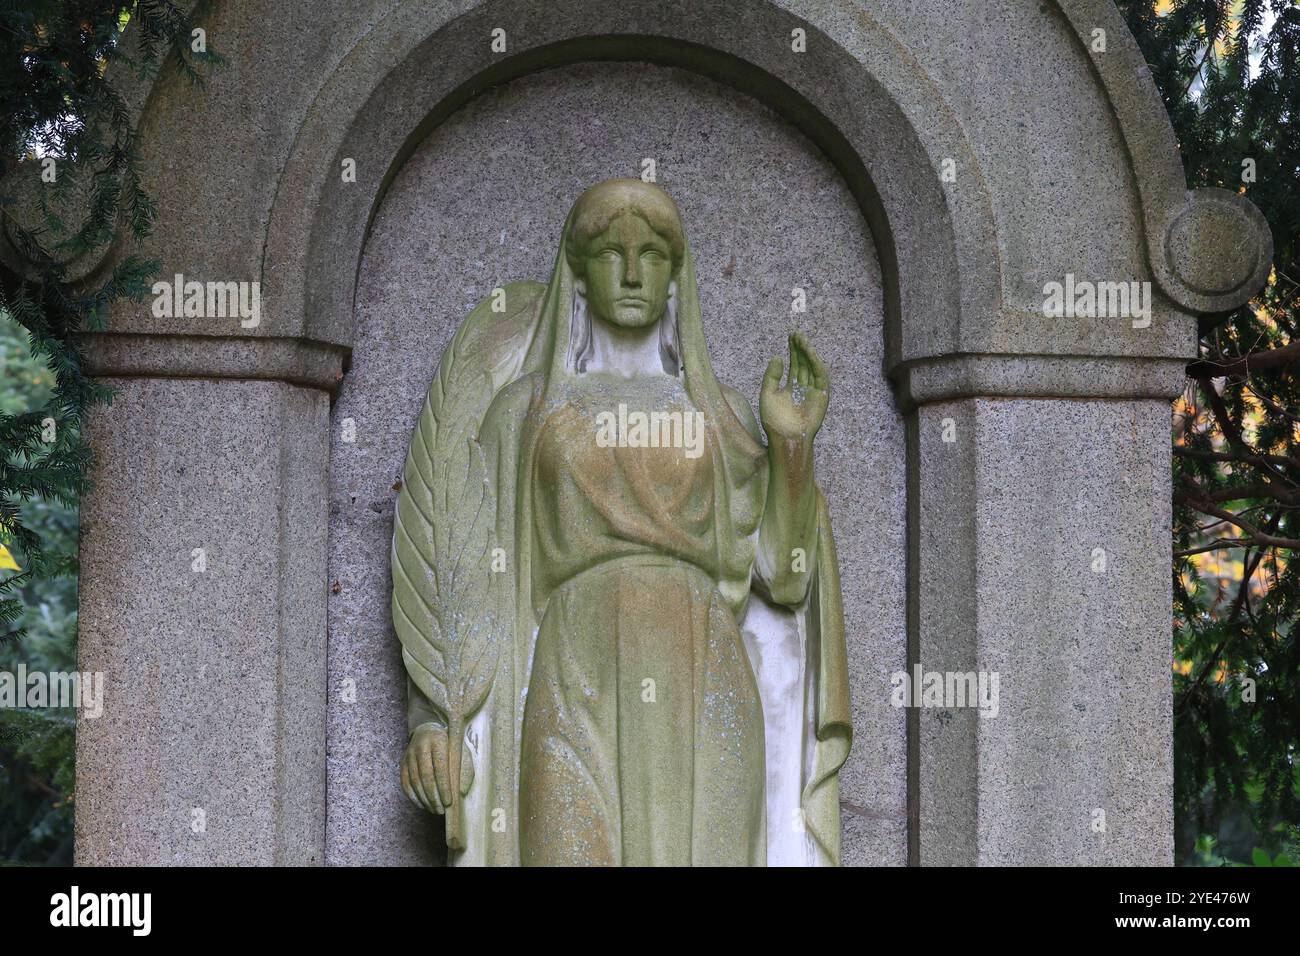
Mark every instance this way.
x=626 y=467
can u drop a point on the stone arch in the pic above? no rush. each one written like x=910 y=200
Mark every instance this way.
x=937 y=248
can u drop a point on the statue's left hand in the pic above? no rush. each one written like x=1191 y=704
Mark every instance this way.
x=425 y=779
x=795 y=412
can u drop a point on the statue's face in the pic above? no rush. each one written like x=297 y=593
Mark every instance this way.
x=628 y=269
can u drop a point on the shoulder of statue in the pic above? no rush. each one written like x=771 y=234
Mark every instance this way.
x=496 y=335
x=487 y=352
x=511 y=400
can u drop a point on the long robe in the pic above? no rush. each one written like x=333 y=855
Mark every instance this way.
x=643 y=729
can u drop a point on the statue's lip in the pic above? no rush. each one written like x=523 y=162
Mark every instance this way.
x=630 y=298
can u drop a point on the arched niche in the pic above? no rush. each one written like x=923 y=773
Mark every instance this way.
x=479 y=202
x=935 y=246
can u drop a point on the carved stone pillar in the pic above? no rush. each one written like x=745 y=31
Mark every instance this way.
x=203 y=597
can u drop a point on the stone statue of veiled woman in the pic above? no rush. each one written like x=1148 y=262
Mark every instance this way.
x=625 y=644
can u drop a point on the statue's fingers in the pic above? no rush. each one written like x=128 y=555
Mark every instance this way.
x=796 y=361
x=772 y=377
x=439 y=776
x=799 y=345
x=411 y=778
x=807 y=359
x=820 y=378
x=428 y=780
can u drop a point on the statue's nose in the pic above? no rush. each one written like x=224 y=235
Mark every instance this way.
x=630 y=274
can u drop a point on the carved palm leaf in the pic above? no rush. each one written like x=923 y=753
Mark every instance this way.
x=443 y=581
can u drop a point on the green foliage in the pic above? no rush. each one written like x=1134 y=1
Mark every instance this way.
x=58 y=102
x=36 y=747
x=1229 y=72
x=1208 y=852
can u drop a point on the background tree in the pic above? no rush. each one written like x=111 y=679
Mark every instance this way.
x=60 y=111
x=36 y=747
x=1229 y=73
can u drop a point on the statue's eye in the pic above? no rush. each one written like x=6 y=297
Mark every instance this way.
x=654 y=255
x=609 y=255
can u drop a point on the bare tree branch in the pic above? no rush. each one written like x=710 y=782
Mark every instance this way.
x=1222 y=544
x=1257 y=536
x=1245 y=364
x=1232 y=456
